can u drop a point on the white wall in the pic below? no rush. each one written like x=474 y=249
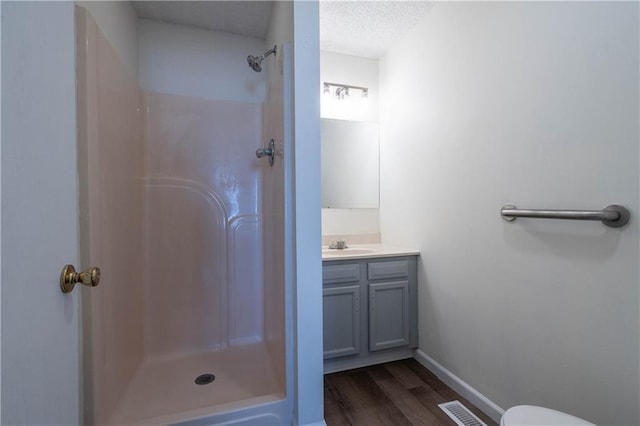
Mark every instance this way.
x=119 y=24
x=306 y=207
x=182 y=60
x=40 y=354
x=346 y=222
x=1 y=14
x=355 y=71
x=534 y=104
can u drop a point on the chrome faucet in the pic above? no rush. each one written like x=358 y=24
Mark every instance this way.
x=338 y=245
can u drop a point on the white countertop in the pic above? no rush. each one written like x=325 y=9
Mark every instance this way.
x=366 y=251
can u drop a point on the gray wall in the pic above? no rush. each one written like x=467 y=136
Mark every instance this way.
x=534 y=104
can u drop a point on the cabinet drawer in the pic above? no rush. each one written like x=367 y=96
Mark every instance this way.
x=332 y=274
x=392 y=269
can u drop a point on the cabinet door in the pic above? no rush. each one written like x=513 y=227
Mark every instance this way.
x=341 y=324
x=388 y=315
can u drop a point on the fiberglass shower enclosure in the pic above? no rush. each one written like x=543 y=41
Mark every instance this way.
x=187 y=226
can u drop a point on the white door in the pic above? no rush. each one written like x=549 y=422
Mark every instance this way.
x=40 y=378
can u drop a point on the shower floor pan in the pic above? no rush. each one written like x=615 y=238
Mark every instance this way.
x=163 y=390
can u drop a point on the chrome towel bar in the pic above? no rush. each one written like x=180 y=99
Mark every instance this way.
x=613 y=215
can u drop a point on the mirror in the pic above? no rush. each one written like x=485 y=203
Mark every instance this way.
x=350 y=164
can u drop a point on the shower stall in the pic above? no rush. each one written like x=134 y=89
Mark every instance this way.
x=188 y=324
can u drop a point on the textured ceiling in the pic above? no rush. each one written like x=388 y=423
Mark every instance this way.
x=360 y=28
x=247 y=18
x=367 y=28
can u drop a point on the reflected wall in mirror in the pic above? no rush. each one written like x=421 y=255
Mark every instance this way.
x=350 y=164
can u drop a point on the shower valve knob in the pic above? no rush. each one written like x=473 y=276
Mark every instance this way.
x=69 y=278
x=269 y=151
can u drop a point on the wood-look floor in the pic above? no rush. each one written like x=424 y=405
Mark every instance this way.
x=396 y=393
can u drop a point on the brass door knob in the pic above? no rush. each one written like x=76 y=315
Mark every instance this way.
x=69 y=278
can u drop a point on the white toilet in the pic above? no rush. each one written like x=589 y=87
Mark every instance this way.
x=529 y=415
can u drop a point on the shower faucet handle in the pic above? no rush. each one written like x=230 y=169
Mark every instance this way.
x=269 y=151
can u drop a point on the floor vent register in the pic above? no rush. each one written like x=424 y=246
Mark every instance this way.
x=460 y=414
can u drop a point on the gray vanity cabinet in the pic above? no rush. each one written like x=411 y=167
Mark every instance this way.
x=388 y=315
x=341 y=325
x=370 y=311
x=341 y=309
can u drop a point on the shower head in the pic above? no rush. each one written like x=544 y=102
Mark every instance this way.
x=255 y=62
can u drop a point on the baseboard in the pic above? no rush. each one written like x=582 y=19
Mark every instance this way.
x=322 y=423
x=457 y=384
x=349 y=363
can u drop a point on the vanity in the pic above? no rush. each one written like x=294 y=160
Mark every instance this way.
x=369 y=295
x=369 y=291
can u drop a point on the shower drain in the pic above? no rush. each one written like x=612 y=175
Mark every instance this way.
x=205 y=379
